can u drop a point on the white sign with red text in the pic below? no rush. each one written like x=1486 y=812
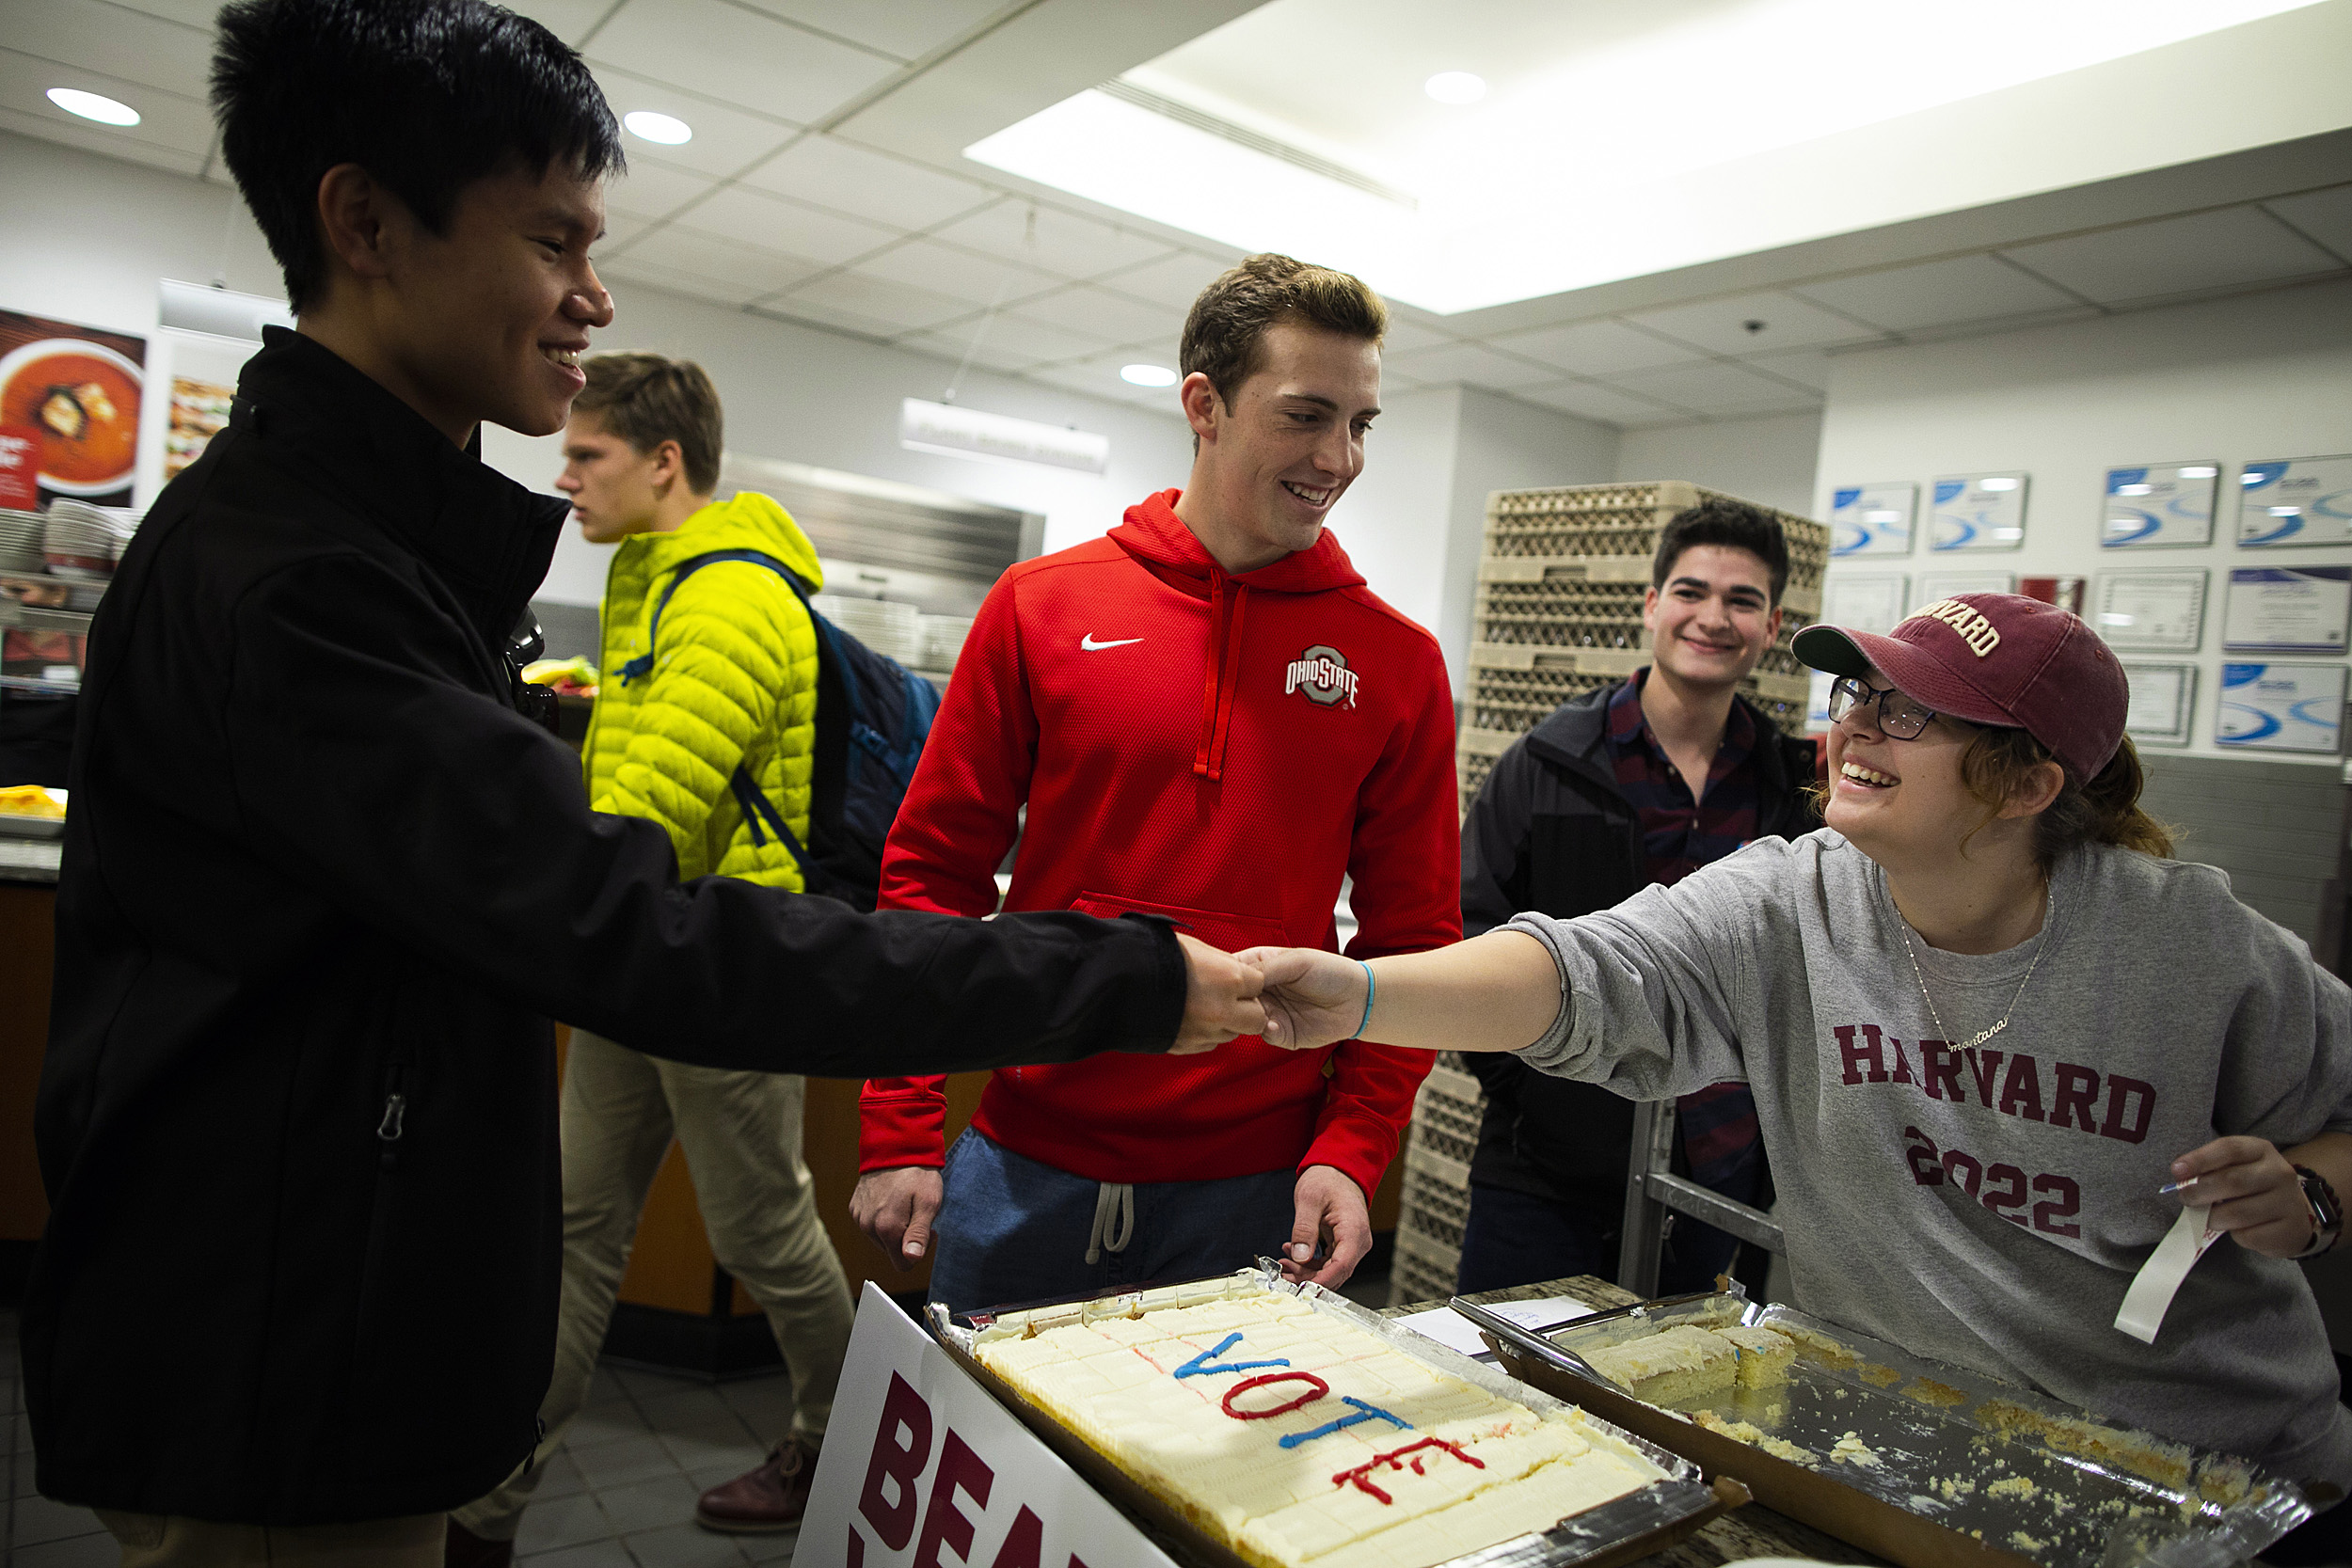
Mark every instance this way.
x=922 y=1468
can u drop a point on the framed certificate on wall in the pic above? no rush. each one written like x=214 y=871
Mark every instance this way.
x=2152 y=609
x=2281 y=609
x=2281 y=708
x=2163 y=702
x=1942 y=585
x=2296 y=501
x=2155 y=504
x=1978 y=512
x=1872 y=519
x=1866 y=601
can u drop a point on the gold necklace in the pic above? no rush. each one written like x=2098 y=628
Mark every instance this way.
x=2049 y=912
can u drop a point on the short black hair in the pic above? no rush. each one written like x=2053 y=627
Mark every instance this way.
x=428 y=96
x=1731 y=524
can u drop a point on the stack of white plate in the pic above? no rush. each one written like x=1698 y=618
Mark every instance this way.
x=20 y=534
x=942 y=641
x=892 y=629
x=82 y=540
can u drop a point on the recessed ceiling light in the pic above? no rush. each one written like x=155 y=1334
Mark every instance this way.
x=1456 y=87
x=1146 y=376
x=90 y=106
x=662 y=130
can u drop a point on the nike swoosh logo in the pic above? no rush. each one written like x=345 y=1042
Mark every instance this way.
x=1090 y=645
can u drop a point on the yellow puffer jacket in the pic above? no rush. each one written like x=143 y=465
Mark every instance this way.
x=734 y=680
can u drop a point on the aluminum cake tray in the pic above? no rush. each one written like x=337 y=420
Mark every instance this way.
x=2028 y=1477
x=1617 y=1532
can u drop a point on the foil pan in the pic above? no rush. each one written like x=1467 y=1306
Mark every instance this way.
x=2006 y=1474
x=1617 y=1532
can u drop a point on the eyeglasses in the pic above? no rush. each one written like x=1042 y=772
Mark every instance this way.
x=1900 y=717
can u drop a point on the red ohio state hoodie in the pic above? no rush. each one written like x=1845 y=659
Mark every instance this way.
x=1217 y=749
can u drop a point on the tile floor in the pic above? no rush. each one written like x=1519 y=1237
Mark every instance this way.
x=619 y=1493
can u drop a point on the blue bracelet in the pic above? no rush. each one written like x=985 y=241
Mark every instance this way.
x=1372 y=988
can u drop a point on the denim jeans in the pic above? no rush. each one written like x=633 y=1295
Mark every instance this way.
x=1012 y=1229
x=1513 y=1238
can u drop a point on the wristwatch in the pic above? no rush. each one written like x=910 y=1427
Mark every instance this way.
x=2327 y=1212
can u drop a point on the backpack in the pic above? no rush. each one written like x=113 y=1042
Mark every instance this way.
x=873 y=714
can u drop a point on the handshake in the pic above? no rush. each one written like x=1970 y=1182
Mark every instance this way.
x=1298 y=998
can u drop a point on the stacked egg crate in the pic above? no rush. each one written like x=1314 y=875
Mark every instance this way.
x=1436 y=1198
x=1559 y=608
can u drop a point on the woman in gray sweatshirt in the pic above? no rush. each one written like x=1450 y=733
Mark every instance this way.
x=1997 y=1040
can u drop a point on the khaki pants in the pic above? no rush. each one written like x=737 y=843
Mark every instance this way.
x=742 y=1133
x=157 y=1541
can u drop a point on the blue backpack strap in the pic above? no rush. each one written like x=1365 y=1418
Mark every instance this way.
x=759 y=809
x=643 y=663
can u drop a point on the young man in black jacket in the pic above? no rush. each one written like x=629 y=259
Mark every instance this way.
x=325 y=885
x=1640 y=783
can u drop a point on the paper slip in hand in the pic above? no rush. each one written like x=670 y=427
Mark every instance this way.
x=1456 y=1332
x=2153 y=1288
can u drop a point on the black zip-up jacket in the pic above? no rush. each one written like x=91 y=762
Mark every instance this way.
x=323 y=888
x=1551 y=832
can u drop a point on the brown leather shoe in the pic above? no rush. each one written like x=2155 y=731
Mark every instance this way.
x=463 y=1548
x=764 y=1501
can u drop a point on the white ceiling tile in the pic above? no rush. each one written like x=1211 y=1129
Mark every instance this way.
x=1473 y=363
x=750 y=60
x=1962 y=289
x=952 y=343
x=2173 y=256
x=1721 y=325
x=1404 y=337
x=1806 y=367
x=620 y=229
x=653 y=190
x=569 y=20
x=1587 y=401
x=826 y=172
x=129 y=46
x=199 y=14
x=2325 y=215
x=1597 y=348
x=1087 y=310
x=168 y=123
x=906 y=28
x=1174 y=279
x=1043 y=340
x=758 y=218
x=632 y=272
x=1714 y=387
x=710 y=256
x=1072 y=247
x=725 y=140
x=893 y=308
x=982 y=279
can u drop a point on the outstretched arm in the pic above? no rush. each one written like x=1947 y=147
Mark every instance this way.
x=1496 y=992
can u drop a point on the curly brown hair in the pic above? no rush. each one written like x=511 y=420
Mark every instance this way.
x=2106 y=810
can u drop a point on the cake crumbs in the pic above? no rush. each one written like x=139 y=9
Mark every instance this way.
x=1851 y=1449
x=2011 y=1486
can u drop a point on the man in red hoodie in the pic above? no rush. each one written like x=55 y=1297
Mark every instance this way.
x=1211 y=718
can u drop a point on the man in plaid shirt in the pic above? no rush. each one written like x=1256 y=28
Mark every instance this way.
x=1641 y=783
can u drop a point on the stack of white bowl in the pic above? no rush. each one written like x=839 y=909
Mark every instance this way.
x=86 y=541
x=893 y=629
x=943 y=642
x=20 y=534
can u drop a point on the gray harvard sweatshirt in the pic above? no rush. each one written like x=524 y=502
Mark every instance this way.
x=1989 y=1208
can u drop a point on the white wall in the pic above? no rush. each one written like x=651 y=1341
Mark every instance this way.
x=2264 y=376
x=1768 y=461
x=1506 y=445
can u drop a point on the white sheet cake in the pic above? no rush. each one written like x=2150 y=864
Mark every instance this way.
x=1298 y=1439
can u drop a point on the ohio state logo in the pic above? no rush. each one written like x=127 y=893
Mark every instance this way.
x=1322 y=676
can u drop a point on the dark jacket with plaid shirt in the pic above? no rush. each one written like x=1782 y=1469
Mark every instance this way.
x=1553 y=831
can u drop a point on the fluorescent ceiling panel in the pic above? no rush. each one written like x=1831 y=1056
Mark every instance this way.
x=1712 y=128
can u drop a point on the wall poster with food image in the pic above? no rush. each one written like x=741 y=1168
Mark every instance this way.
x=75 y=391
x=199 y=410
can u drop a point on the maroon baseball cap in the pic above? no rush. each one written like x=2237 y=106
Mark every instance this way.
x=1994 y=658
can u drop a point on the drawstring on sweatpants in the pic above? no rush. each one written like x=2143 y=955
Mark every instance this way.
x=1114 y=1204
